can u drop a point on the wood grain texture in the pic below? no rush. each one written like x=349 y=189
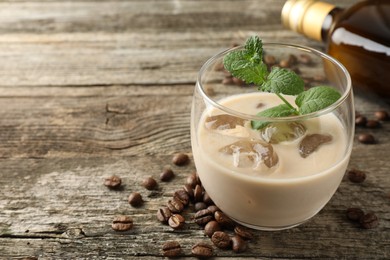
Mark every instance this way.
x=94 y=88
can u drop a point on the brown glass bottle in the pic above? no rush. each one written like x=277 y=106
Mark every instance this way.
x=359 y=37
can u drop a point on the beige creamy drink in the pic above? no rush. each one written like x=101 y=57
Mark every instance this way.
x=267 y=184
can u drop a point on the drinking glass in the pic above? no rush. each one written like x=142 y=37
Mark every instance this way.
x=259 y=182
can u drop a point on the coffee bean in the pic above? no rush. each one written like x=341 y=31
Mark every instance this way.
x=305 y=59
x=366 y=139
x=224 y=220
x=198 y=193
x=149 y=183
x=192 y=180
x=175 y=205
x=180 y=159
x=292 y=59
x=213 y=209
x=163 y=214
x=211 y=227
x=372 y=124
x=189 y=191
x=202 y=250
x=221 y=240
x=382 y=115
x=369 y=220
x=228 y=80
x=269 y=60
x=219 y=66
x=122 y=223
x=285 y=63
x=356 y=176
x=238 y=82
x=202 y=217
x=171 y=249
x=360 y=121
x=176 y=221
x=200 y=205
x=182 y=196
x=238 y=244
x=166 y=175
x=135 y=199
x=207 y=199
x=113 y=182
x=354 y=214
x=243 y=232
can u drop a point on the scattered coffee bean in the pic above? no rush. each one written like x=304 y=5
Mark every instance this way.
x=372 y=124
x=260 y=105
x=113 y=182
x=360 y=121
x=213 y=209
x=176 y=221
x=135 y=199
x=207 y=199
x=219 y=66
x=198 y=193
x=227 y=80
x=202 y=217
x=221 y=240
x=163 y=214
x=382 y=115
x=182 y=196
x=122 y=223
x=238 y=82
x=366 y=139
x=269 y=60
x=356 y=176
x=171 y=249
x=238 y=244
x=175 y=205
x=305 y=59
x=189 y=191
x=211 y=227
x=243 y=232
x=369 y=220
x=192 y=180
x=200 y=205
x=285 y=63
x=166 y=175
x=224 y=220
x=180 y=159
x=202 y=250
x=292 y=59
x=354 y=214
x=149 y=183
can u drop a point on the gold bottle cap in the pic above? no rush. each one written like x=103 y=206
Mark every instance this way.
x=305 y=16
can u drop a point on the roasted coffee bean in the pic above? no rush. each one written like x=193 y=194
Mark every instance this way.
x=238 y=244
x=213 y=209
x=366 y=139
x=382 y=115
x=238 y=82
x=356 y=176
x=211 y=227
x=198 y=193
x=202 y=250
x=207 y=199
x=180 y=159
x=292 y=59
x=135 y=199
x=189 y=190
x=372 y=124
x=113 y=182
x=202 y=217
x=219 y=66
x=163 y=214
x=167 y=175
x=149 y=183
x=122 y=223
x=369 y=220
x=192 y=180
x=200 y=205
x=221 y=240
x=354 y=214
x=176 y=221
x=171 y=249
x=269 y=60
x=175 y=205
x=360 y=121
x=243 y=232
x=182 y=196
x=224 y=220
x=284 y=63
x=228 y=80
x=305 y=59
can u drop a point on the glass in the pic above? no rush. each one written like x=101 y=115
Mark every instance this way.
x=260 y=178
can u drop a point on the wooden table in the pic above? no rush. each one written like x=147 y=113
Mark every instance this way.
x=95 y=88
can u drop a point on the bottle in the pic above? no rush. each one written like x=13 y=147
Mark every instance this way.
x=358 y=36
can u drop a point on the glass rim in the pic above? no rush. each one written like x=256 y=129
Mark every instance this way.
x=306 y=49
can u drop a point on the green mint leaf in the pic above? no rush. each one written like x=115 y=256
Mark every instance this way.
x=247 y=64
x=283 y=81
x=278 y=111
x=316 y=98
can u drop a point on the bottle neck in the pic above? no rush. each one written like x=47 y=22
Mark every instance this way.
x=307 y=17
x=329 y=22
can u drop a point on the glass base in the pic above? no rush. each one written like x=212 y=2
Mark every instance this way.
x=265 y=228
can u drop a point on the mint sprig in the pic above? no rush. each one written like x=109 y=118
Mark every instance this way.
x=248 y=65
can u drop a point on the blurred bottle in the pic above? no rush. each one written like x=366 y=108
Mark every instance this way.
x=358 y=36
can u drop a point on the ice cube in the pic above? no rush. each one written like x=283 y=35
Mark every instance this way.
x=282 y=131
x=223 y=122
x=251 y=153
x=310 y=143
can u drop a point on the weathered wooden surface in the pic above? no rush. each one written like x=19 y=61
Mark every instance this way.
x=90 y=89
